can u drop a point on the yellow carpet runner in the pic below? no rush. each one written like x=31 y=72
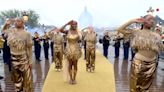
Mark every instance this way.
x=102 y=80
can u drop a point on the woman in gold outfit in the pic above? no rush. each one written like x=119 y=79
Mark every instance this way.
x=148 y=44
x=20 y=43
x=73 y=50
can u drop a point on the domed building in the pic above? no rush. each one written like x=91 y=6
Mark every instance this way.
x=85 y=19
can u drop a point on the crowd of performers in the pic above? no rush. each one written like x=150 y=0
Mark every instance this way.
x=17 y=50
x=66 y=45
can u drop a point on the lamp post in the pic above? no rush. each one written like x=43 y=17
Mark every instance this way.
x=25 y=17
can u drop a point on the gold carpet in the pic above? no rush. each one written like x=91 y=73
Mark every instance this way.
x=102 y=80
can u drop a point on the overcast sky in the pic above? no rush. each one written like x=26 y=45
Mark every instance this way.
x=104 y=12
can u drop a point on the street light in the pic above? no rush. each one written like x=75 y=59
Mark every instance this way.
x=25 y=16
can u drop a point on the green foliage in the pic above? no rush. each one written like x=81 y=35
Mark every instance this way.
x=33 y=17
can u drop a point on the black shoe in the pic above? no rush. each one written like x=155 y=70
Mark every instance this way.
x=125 y=59
x=115 y=57
x=1 y=77
x=38 y=60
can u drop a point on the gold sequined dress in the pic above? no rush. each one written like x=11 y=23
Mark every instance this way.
x=73 y=50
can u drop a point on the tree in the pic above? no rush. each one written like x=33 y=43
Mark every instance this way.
x=33 y=17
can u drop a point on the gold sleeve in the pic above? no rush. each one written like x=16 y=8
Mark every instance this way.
x=29 y=47
x=122 y=29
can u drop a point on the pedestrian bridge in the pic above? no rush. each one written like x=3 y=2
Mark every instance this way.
x=102 y=80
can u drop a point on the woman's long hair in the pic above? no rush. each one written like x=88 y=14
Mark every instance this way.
x=73 y=22
x=6 y=26
x=151 y=28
